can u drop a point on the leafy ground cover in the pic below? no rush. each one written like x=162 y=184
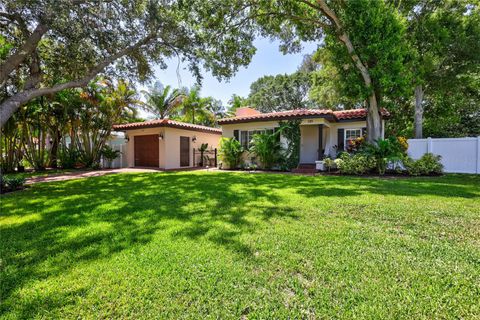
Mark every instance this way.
x=237 y=245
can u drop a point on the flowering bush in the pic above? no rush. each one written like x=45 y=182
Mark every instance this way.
x=355 y=145
x=403 y=144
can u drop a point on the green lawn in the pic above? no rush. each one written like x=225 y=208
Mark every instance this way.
x=46 y=173
x=242 y=246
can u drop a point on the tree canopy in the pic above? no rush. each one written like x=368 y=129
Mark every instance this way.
x=280 y=92
x=55 y=45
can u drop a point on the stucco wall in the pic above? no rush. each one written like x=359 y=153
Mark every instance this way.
x=131 y=145
x=330 y=134
x=169 y=146
x=172 y=144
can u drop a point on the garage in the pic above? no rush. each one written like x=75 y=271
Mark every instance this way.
x=146 y=150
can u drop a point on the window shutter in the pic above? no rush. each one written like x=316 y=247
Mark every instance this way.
x=341 y=138
x=364 y=132
x=278 y=134
x=236 y=135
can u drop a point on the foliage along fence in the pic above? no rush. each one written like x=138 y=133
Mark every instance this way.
x=459 y=155
x=117 y=143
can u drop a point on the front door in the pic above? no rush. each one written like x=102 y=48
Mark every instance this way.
x=184 y=151
x=309 y=143
x=146 y=150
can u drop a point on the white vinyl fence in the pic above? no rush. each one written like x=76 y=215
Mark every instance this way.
x=118 y=143
x=460 y=155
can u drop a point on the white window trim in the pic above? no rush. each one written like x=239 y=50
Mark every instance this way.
x=250 y=133
x=345 y=135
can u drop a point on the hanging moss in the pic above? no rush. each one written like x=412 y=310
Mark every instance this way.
x=291 y=132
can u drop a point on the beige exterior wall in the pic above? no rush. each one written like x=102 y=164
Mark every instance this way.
x=131 y=145
x=169 y=153
x=172 y=144
x=309 y=131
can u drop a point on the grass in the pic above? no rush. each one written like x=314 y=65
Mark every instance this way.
x=46 y=173
x=196 y=245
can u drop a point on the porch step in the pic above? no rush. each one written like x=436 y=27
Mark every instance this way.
x=311 y=171
x=305 y=168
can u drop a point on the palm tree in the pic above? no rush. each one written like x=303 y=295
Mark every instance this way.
x=234 y=103
x=162 y=102
x=192 y=103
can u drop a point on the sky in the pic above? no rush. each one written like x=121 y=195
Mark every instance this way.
x=268 y=60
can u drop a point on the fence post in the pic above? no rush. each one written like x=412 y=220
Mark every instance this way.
x=216 y=156
x=429 y=145
x=478 y=154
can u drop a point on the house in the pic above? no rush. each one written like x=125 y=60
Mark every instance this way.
x=323 y=131
x=168 y=144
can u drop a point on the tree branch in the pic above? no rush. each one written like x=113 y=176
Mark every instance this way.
x=343 y=36
x=10 y=105
x=13 y=61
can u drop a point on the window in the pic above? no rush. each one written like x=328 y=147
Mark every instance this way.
x=247 y=136
x=351 y=134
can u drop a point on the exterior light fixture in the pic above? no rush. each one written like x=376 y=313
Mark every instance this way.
x=127 y=138
x=160 y=136
x=194 y=139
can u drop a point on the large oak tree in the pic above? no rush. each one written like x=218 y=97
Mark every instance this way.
x=59 y=44
x=365 y=36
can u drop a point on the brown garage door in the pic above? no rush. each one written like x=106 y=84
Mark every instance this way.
x=146 y=150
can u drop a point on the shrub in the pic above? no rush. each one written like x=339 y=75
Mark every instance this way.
x=11 y=183
x=356 y=145
x=230 y=152
x=402 y=142
x=384 y=151
x=68 y=157
x=3 y=183
x=267 y=148
x=428 y=164
x=329 y=164
x=355 y=164
x=109 y=154
x=290 y=131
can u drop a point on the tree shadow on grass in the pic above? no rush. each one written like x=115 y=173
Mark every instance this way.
x=72 y=222
x=78 y=221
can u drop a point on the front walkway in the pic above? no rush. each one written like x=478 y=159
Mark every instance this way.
x=85 y=174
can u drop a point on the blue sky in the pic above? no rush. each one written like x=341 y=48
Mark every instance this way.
x=268 y=60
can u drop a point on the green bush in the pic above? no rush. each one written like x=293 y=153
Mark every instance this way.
x=267 y=148
x=109 y=154
x=428 y=164
x=384 y=151
x=230 y=152
x=11 y=183
x=329 y=164
x=290 y=131
x=355 y=164
x=68 y=157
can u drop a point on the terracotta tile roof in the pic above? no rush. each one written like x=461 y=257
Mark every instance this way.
x=282 y=115
x=165 y=123
x=357 y=114
x=304 y=113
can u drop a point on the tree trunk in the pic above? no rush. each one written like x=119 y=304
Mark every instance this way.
x=374 y=120
x=418 y=120
x=54 y=149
